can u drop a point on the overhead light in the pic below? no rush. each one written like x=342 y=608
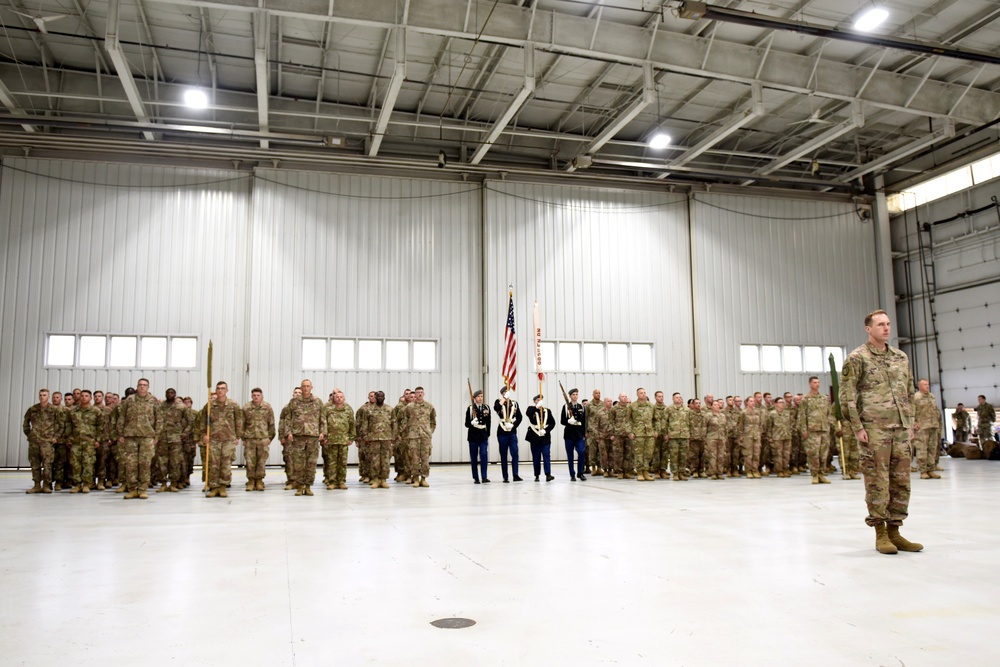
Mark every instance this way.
x=870 y=19
x=659 y=141
x=195 y=98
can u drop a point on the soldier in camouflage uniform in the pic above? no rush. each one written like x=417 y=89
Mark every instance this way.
x=732 y=412
x=188 y=442
x=103 y=403
x=815 y=416
x=421 y=421
x=62 y=470
x=798 y=450
x=169 y=448
x=641 y=417
x=380 y=430
x=779 y=434
x=716 y=428
x=364 y=455
x=678 y=433
x=876 y=395
x=593 y=440
x=226 y=421
x=85 y=429
x=962 y=423
x=696 y=445
x=926 y=429
x=41 y=425
x=622 y=456
x=138 y=428
x=289 y=485
x=340 y=431
x=258 y=432
x=602 y=435
x=661 y=448
x=750 y=430
x=986 y=416
x=399 y=451
x=302 y=427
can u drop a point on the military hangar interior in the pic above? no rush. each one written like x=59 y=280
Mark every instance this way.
x=700 y=198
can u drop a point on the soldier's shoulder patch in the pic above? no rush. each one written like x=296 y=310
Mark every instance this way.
x=846 y=372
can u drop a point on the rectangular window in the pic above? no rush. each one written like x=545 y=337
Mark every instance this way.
x=341 y=354
x=370 y=355
x=313 y=354
x=93 y=351
x=792 y=358
x=424 y=355
x=397 y=355
x=569 y=357
x=548 y=356
x=618 y=357
x=749 y=358
x=183 y=352
x=123 y=351
x=642 y=357
x=770 y=358
x=153 y=352
x=812 y=357
x=593 y=357
x=61 y=350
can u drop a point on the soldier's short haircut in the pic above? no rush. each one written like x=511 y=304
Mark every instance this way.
x=728 y=397
x=870 y=316
x=141 y=380
x=658 y=392
x=186 y=398
x=813 y=377
x=690 y=401
x=676 y=393
x=537 y=396
x=256 y=390
x=47 y=391
x=419 y=389
x=960 y=405
x=767 y=393
x=86 y=391
x=57 y=392
x=982 y=397
x=779 y=399
x=221 y=383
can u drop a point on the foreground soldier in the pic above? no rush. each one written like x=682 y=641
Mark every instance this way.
x=380 y=428
x=364 y=456
x=661 y=447
x=750 y=431
x=421 y=421
x=86 y=426
x=339 y=431
x=876 y=390
x=227 y=427
x=604 y=435
x=258 y=432
x=41 y=425
x=303 y=425
x=815 y=416
x=170 y=447
x=139 y=426
x=926 y=430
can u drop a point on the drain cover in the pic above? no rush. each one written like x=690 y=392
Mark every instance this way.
x=453 y=623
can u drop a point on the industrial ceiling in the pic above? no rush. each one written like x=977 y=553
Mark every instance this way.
x=760 y=94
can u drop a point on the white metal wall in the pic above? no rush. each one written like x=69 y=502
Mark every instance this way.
x=103 y=248
x=776 y=271
x=967 y=270
x=361 y=256
x=604 y=265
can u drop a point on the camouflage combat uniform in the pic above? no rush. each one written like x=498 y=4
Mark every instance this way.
x=962 y=425
x=364 y=455
x=661 y=448
x=750 y=431
x=602 y=436
x=170 y=447
x=341 y=431
x=986 y=416
x=258 y=432
x=641 y=415
x=876 y=394
x=226 y=428
x=139 y=424
x=85 y=430
x=679 y=432
x=304 y=419
x=399 y=444
x=734 y=458
x=42 y=427
x=696 y=445
x=815 y=416
x=379 y=433
x=421 y=420
x=779 y=433
x=593 y=440
x=716 y=461
x=622 y=457
x=927 y=436
x=105 y=456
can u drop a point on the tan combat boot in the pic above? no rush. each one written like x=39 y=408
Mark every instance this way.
x=37 y=488
x=650 y=477
x=131 y=495
x=933 y=475
x=141 y=494
x=249 y=485
x=423 y=482
x=342 y=486
x=384 y=484
x=415 y=481
x=640 y=476
x=300 y=491
x=259 y=485
x=76 y=489
x=174 y=488
x=815 y=479
x=289 y=486
x=162 y=488
x=331 y=487
x=823 y=480
x=85 y=489
x=882 y=541
x=901 y=542
x=308 y=490
x=620 y=475
x=924 y=475
x=46 y=488
x=375 y=484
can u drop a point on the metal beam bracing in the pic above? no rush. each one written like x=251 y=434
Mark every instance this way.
x=7 y=99
x=946 y=132
x=856 y=120
x=120 y=62
x=746 y=116
x=515 y=105
x=391 y=93
x=261 y=36
x=554 y=32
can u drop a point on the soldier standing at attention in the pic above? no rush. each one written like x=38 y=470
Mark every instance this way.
x=339 y=431
x=780 y=429
x=380 y=429
x=678 y=433
x=139 y=427
x=573 y=418
x=399 y=443
x=661 y=449
x=477 y=424
x=188 y=443
x=750 y=430
x=86 y=426
x=732 y=436
x=815 y=415
x=169 y=448
x=696 y=445
x=364 y=460
x=641 y=418
x=421 y=421
x=987 y=415
x=540 y=425
x=289 y=484
x=593 y=440
x=510 y=416
x=302 y=427
x=926 y=429
x=716 y=425
x=961 y=418
x=622 y=455
x=876 y=394
x=41 y=425
x=227 y=428
x=258 y=432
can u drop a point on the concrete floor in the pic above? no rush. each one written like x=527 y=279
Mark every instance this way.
x=740 y=572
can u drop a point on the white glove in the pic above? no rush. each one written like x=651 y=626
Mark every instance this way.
x=507 y=426
x=539 y=431
x=478 y=424
x=573 y=421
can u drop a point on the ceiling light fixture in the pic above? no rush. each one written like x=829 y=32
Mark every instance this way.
x=870 y=19
x=659 y=141
x=195 y=98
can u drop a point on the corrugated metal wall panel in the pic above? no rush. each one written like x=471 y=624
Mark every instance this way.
x=103 y=248
x=604 y=265
x=776 y=271
x=360 y=256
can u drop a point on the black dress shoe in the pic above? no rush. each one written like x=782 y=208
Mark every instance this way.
x=518 y=479
x=477 y=481
x=572 y=478
x=506 y=481
x=549 y=478
x=582 y=478
x=485 y=481
x=536 y=478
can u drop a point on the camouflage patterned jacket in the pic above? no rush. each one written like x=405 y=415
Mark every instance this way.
x=360 y=420
x=421 y=420
x=698 y=428
x=750 y=424
x=876 y=388
x=227 y=421
x=660 y=421
x=341 y=425
x=139 y=417
x=641 y=417
x=618 y=421
x=379 y=423
x=590 y=413
x=925 y=410
x=716 y=426
x=303 y=416
x=779 y=425
x=732 y=421
x=176 y=421
x=258 y=421
x=678 y=421
x=42 y=424
x=399 y=419
x=86 y=426
x=815 y=413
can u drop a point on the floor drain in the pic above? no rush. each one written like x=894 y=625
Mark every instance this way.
x=453 y=623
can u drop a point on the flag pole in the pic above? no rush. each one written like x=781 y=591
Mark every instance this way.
x=208 y=418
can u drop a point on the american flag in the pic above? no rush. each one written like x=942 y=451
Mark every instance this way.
x=509 y=367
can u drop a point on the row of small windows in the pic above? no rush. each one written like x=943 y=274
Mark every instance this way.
x=120 y=351
x=368 y=354
x=956 y=180
x=789 y=358
x=575 y=356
